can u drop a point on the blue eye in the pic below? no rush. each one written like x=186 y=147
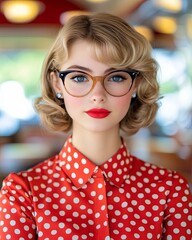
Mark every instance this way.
x=79 y=78
x=117 y=78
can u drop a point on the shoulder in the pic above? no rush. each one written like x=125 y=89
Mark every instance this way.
x=36 y=175
x=154 y=175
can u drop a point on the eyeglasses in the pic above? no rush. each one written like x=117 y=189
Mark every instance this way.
x=117 y=83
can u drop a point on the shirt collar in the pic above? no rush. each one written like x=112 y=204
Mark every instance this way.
x=79 y=168
x=117 y=168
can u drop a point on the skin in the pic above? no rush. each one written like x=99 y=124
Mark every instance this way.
x=98 y=139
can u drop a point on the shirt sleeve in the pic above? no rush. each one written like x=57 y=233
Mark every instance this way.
x=178 y=212
x=16 y=210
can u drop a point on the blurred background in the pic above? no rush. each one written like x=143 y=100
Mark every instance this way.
x=27 y=29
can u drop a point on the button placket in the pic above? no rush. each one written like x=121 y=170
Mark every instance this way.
x=100 y=206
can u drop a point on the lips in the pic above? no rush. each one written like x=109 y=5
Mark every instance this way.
x=98 y=113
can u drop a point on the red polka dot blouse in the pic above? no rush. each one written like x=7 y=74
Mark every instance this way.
x=69 y=197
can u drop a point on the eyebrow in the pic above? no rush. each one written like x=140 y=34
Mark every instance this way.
x=88 y=69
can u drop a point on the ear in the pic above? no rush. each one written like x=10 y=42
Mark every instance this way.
x=137 y=81
x=56 y=83
x=136 y=84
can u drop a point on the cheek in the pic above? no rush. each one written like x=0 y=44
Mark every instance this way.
x=123 y=103
x=72 y=104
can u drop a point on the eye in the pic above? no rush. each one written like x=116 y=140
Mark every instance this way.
x=77 y=77
x=117 y=78
x=80 y=78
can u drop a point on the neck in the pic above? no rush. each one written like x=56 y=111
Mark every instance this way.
x=97 y=146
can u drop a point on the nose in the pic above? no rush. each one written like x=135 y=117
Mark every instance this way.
x=98 y=93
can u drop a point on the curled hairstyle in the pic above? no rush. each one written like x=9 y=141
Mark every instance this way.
x=115 y=43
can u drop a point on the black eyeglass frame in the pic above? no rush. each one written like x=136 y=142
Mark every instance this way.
x=133 y=73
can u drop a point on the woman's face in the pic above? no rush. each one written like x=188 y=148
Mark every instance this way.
x=98 y=111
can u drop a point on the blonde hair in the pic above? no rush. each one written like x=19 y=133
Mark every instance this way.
x=114 y=43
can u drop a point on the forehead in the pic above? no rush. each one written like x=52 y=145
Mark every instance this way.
x=102 y=51
x=82 y=53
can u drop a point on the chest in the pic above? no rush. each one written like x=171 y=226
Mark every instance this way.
x=100 y=209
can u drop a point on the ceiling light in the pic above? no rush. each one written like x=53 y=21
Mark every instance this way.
x=171 y=5
x=21 y=11
x=145 y=31
x=165 y=25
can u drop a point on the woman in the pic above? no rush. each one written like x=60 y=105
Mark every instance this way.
x=99 y=78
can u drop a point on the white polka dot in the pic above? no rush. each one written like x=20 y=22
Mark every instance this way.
x=106 y=166
x=149 y=235
x=176 y=230
x=141 y=208
x=69 y=149
x=133 y=189
x=61 y=225
x=119 y=171
x=5 y=229
x=55 y=206
x=124 y=204
x=47 y=212
x=133 y=223
x=46 y=225
x=184 y=199
x=178 y=216
x=141 y=229
x=68 y=193
x=170 y=223
x=76 y=200
x=116 y=199
x=114 y=165
x=13 y=210
x=41 y=205
x=134 y=202
x=68 y=207
x=68 y=231
x=83 y=161
x=148 y=214
x=26 y=228
x=140 y=195
x=100 y=197
x=155 y=207
x=40 y=219
x=172 y=210
x=162 y=201
x=73 y=175
x=80 y=180
x=7 y=216
x=53 y=232
x=86 y=171
x=76 y=165
x=68 y=166
x=12 y=222
x=183 y=224
x=155 y=196
x=136 y=235
x=54 y=219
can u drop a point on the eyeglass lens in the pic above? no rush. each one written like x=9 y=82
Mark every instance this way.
x=78 y=84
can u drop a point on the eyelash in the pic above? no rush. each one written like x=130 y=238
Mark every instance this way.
x=78 y=76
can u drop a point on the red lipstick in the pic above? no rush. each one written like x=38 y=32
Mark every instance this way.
x=98 y=113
